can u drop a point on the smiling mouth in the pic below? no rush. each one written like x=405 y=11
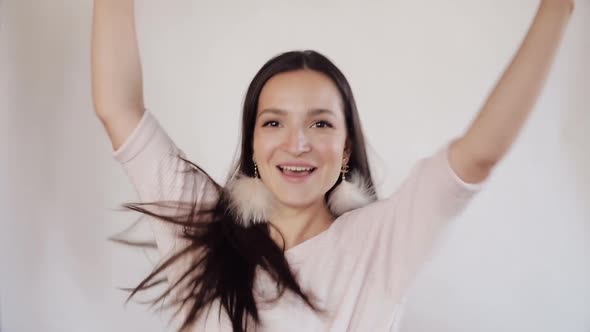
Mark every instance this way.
x=296 y=172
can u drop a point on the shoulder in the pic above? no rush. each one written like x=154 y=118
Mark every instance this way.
x=367 y=218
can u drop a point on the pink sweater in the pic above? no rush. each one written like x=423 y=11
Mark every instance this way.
x=359 y=268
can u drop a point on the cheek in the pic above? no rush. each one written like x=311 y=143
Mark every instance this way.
x=331 y=151
x=263 y=146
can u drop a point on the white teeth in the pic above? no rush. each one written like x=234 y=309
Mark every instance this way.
x=296 y=168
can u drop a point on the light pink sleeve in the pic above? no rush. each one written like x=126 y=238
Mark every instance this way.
x=150 y=160
x=406 y=225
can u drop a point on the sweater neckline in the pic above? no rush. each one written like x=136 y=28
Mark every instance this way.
x=303 y=249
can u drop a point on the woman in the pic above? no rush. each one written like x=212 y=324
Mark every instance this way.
x=297 y=240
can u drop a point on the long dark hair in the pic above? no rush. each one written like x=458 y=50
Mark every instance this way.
x=222 y=255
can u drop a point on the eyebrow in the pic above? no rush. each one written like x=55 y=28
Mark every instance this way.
x=315 y=111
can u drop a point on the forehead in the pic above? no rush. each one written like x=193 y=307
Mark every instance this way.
x=300 y=91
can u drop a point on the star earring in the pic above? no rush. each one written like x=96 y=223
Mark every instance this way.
x=250 y=200
x=349 y=195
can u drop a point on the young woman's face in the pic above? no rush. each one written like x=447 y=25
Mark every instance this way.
x=300 y=125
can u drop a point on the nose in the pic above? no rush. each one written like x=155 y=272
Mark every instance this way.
x=297 y=142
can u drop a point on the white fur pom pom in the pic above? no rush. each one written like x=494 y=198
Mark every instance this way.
x=251 y=201
x=349 y=195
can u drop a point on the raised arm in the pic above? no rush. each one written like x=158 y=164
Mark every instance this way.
x=497 y=125
x=117 y=89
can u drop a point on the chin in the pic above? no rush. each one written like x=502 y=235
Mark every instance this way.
x=297 y=202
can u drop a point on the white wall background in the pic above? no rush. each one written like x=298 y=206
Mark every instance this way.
x=516 y=261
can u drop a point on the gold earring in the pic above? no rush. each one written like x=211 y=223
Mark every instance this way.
x=343 y=170
x=255 y=171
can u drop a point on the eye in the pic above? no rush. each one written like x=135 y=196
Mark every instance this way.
x=272 y=123
x=322 y=124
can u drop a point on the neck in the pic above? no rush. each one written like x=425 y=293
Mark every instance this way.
x=300 y=224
